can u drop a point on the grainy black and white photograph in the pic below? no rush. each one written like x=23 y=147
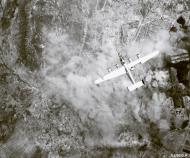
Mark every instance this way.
x=94 y=78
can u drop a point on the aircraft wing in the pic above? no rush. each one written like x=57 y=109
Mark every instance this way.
x=126 y=67
x=118 y=72
x=142 y=59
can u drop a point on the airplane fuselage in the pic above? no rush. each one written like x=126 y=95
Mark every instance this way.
x=128 y=72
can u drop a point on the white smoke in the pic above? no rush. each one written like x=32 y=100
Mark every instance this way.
x=71 y=76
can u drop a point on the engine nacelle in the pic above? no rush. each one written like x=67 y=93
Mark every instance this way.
x=130 y=60
x=117 y=66
x=132 y=68
x=138 y=56
x=109 y=69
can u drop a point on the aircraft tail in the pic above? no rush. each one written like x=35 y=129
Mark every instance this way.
x=135 y=86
